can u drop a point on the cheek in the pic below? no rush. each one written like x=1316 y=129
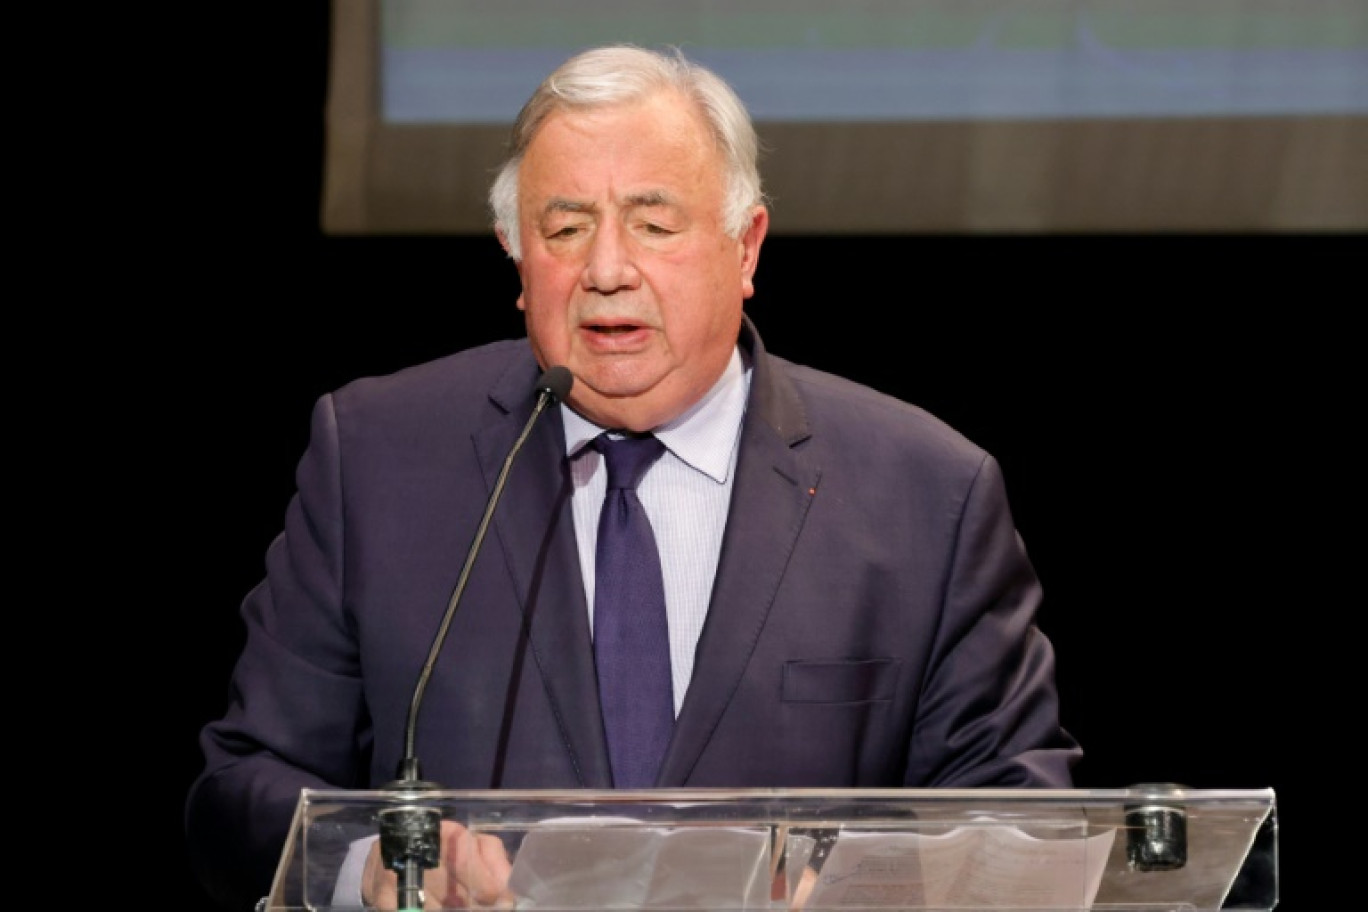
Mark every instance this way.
x=547 y=292
x=544 y=320
x=548 y=281
x=722 y=289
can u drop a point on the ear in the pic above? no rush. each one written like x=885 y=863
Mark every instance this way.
x=750 y=242
x=517 y=264
x=503 y=242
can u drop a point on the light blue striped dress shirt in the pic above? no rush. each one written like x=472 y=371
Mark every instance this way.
x=686 y=494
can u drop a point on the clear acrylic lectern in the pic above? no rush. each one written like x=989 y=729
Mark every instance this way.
x=1154 y=848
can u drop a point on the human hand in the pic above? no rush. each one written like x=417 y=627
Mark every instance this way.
x=472 y=872
x=779 y=887
x=806 y=881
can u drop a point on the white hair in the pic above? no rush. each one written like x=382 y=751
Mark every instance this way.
x=622 y=73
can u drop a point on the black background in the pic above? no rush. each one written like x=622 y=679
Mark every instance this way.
x=1166 y=410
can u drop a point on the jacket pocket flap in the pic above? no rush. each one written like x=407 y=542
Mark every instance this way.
x=847 y=681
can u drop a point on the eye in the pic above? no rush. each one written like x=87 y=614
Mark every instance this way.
x=656 y=230
x=565 y=231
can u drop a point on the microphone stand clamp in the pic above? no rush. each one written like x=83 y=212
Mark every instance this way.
x=410 y=834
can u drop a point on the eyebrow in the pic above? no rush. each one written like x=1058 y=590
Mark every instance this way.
x=650 y=198
x=645 y=198
x=561 y=204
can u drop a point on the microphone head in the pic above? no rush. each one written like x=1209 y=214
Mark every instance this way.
x=556 y=382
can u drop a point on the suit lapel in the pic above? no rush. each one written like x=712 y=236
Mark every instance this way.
x=535 y=529
x=536 y=537
x=769 y=503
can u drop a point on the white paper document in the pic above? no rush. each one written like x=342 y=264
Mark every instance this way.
x=972 y=866
x=618 y=863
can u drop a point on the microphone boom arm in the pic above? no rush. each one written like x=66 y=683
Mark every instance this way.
x=410 y=833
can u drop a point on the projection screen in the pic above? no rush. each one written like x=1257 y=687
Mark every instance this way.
x=895 y=116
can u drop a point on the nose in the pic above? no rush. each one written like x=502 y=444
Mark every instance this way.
x=609 y=266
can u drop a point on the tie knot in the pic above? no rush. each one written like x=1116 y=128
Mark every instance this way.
x=627 y=458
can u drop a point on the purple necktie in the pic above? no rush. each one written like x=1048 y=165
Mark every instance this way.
x=631 y=633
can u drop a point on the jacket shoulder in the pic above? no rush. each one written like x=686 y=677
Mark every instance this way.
x=462 y=379
x=852 y=414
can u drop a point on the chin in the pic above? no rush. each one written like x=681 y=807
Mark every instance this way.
x=628 y=412
x=619 y=378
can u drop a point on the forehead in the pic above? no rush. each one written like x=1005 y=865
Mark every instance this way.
x=661 y=141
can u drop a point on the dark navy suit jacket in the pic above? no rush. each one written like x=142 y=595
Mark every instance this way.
x=872 y=621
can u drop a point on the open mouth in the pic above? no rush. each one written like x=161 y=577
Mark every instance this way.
x=615 y=329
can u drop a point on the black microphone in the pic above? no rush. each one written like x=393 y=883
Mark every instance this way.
x=410 y=834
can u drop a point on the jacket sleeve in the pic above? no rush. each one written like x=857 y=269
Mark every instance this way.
x=296 y=717
x=989 y=708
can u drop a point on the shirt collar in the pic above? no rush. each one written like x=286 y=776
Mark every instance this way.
x=703 y=437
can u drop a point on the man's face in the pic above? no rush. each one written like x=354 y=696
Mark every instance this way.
x=628 y=278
